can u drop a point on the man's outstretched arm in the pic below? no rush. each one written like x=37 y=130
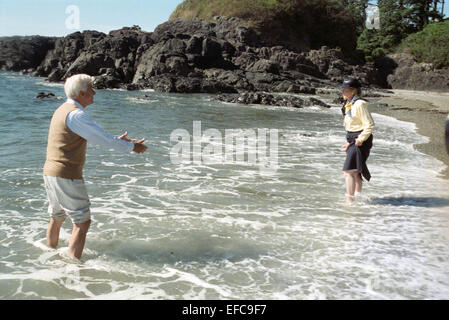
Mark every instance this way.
x=80 y=123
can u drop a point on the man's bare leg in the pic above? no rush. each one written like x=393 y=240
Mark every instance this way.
x=53 y=232
x=78 y=238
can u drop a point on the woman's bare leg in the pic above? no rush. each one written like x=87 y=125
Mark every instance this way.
x=358 y=183
x=350 y=185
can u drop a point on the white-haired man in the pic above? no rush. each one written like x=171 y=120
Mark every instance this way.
x=70 y=130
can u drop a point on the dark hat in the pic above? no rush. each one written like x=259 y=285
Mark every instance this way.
x=350 y=83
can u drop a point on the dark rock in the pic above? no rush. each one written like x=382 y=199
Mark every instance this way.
x=335 y=66
x=271 y=100
x=338 y=100
x=67 y=50
x=195 y=45
x=211 y=86
x=232 y=30
x=210 y=48
x=187 y=85
x=314 y=101
x=170 y=28
x=287 y=86
x=185 y=56
x=55 y=75
x=132 y=86
x=21 y=53
x=401 y=71
x=245 y=60
x=89 y=63
x=106 y=81
x=163 y=83
x=163 y=58
x=43 y=95
x=211 y=56
x=294 y=88
x=229 y=78
x=264 y=65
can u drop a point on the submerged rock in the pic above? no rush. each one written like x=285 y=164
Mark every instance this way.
x=43 y=95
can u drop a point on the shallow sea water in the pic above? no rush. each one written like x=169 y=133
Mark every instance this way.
x=223 y=230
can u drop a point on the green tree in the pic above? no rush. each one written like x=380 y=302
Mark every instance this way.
x=422 y=11
x=393 y=28
x=357 y=9
x=430 y=44
x=398 y=19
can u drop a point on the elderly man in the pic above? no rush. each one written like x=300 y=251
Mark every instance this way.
x=70 y=130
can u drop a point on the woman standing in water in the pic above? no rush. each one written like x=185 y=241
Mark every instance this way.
x=359 y=126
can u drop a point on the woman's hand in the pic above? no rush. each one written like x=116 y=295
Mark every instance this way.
x=358 y=143
x=345 y=147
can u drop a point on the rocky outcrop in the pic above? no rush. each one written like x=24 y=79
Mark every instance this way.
x=401 y=71
x=333 y=64
x=271 y=100
x=185 y=56
x=24 y=53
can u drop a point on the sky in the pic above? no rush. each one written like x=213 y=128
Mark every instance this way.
x=62 y=17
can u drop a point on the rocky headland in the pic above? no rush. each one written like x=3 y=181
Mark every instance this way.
x=188 y=56
x=197 y=56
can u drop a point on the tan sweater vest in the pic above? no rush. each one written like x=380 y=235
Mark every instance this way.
x=66 y=151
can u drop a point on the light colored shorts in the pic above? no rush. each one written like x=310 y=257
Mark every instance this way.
x=67 y=197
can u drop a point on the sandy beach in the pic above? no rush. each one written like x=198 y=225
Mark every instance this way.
x=428 y=110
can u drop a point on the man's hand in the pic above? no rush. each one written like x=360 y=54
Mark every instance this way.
x=124 y=137
x=139 y=147
x=358 y=143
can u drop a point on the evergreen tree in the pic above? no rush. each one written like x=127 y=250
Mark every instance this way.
x=398 y=19
x=356 y=8
x=422 y=11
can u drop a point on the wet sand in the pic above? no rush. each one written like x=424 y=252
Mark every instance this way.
x=428 y=110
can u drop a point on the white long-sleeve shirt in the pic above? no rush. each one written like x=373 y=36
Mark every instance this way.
x=80 y=123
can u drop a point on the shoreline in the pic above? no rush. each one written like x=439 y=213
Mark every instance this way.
x=428 y=110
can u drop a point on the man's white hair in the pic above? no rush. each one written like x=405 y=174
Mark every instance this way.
x=77 y=83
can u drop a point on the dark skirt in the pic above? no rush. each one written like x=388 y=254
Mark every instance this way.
x=356 y=156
